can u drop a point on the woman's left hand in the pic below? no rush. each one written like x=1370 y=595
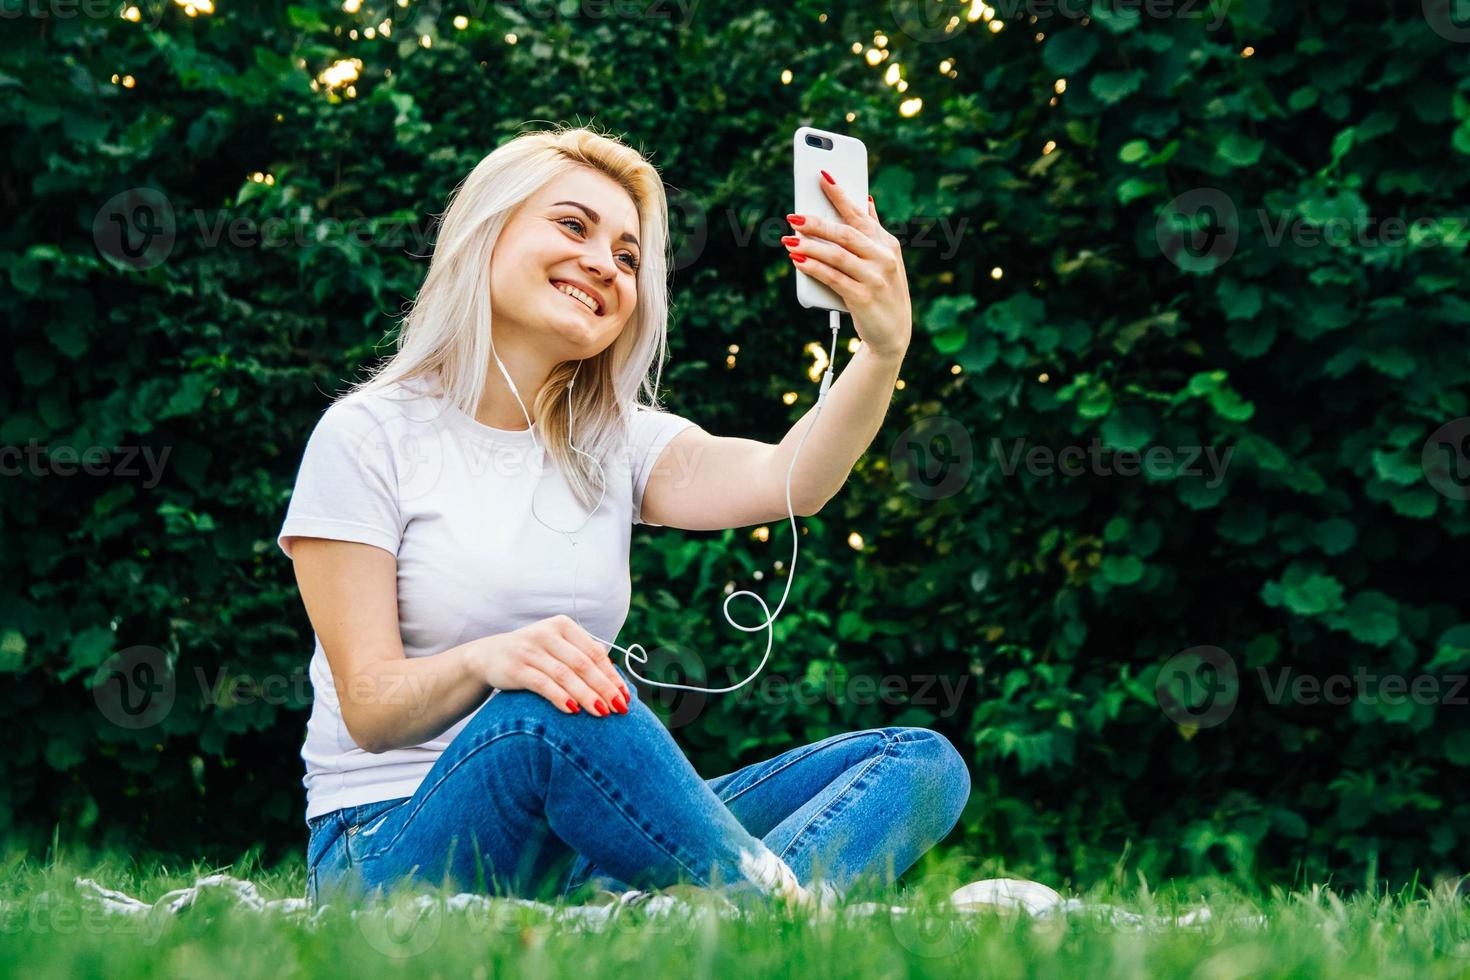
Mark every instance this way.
x=861 y=262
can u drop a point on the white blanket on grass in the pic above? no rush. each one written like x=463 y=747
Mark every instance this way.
x=994 y=894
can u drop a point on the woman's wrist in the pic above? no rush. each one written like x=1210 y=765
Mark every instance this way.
x=475 y=656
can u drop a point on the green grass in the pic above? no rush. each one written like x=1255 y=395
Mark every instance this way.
x=47 y=929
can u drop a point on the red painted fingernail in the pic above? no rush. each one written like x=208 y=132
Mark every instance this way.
x=796 y=219
x=791 y=240
x=870 y=199
x=798 y=256
x=619 y=706
x=829 y=177
x=601 y=708
x=572 y=706
x=626 y=695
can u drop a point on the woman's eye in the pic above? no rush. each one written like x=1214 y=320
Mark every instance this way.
x=633 y=262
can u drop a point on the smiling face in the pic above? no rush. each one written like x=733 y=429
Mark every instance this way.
x=577 y=235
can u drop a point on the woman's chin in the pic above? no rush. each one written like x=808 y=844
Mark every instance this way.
x=580 y=335
x=575 y=326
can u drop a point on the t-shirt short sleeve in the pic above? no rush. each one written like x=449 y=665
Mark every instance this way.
x=651 y=431
x=347 y=486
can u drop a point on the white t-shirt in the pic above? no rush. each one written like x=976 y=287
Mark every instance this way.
x=451 y=498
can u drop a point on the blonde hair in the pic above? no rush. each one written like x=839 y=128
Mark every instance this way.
x=444 y=338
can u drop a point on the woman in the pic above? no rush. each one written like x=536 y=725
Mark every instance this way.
x=464 y=727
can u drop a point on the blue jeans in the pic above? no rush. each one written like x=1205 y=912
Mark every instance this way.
x=527 y=798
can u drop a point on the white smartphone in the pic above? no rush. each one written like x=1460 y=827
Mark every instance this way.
x=846 y=159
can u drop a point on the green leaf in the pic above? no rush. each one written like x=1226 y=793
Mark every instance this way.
x=306 y=19
x=1401 y=466
x=12 y=650
x=1229 y=405
x=853 y=625
x=90 y=647
x=1242 y=522
x=1122 y=569
x=1237 y=301
x=1095 y=402
x=1453 y=650
x=1240 y=150
x=62 y=753
x=945 y=312
x=1069 y=51
x=1199 y=493
x=1251 y=338
x=1457 y=747
x=1302 y=99
x=1011 y=317
x=1130 y=427
x=1304 y=591
x=951 y=341
x=1133 y=151
x=1335 y=535
x=893 y=188
x=979 y=354
x=1393 y=361
x=1419 y=502
x=1460 y=140
x=1372 y=617
x=1134 y=188
x=1112 y=87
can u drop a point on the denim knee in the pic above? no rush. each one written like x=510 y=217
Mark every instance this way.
x=945 y=779
x=529 y=712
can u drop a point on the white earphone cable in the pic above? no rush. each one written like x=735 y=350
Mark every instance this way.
x=641 y=656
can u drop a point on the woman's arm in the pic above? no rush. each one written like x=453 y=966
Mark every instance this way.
x=713 y=482
x=390 y=701
x=851 y=416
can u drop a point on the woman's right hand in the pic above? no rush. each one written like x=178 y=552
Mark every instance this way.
x=559 y=660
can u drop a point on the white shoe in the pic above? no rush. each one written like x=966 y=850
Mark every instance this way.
x=1031 y=897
